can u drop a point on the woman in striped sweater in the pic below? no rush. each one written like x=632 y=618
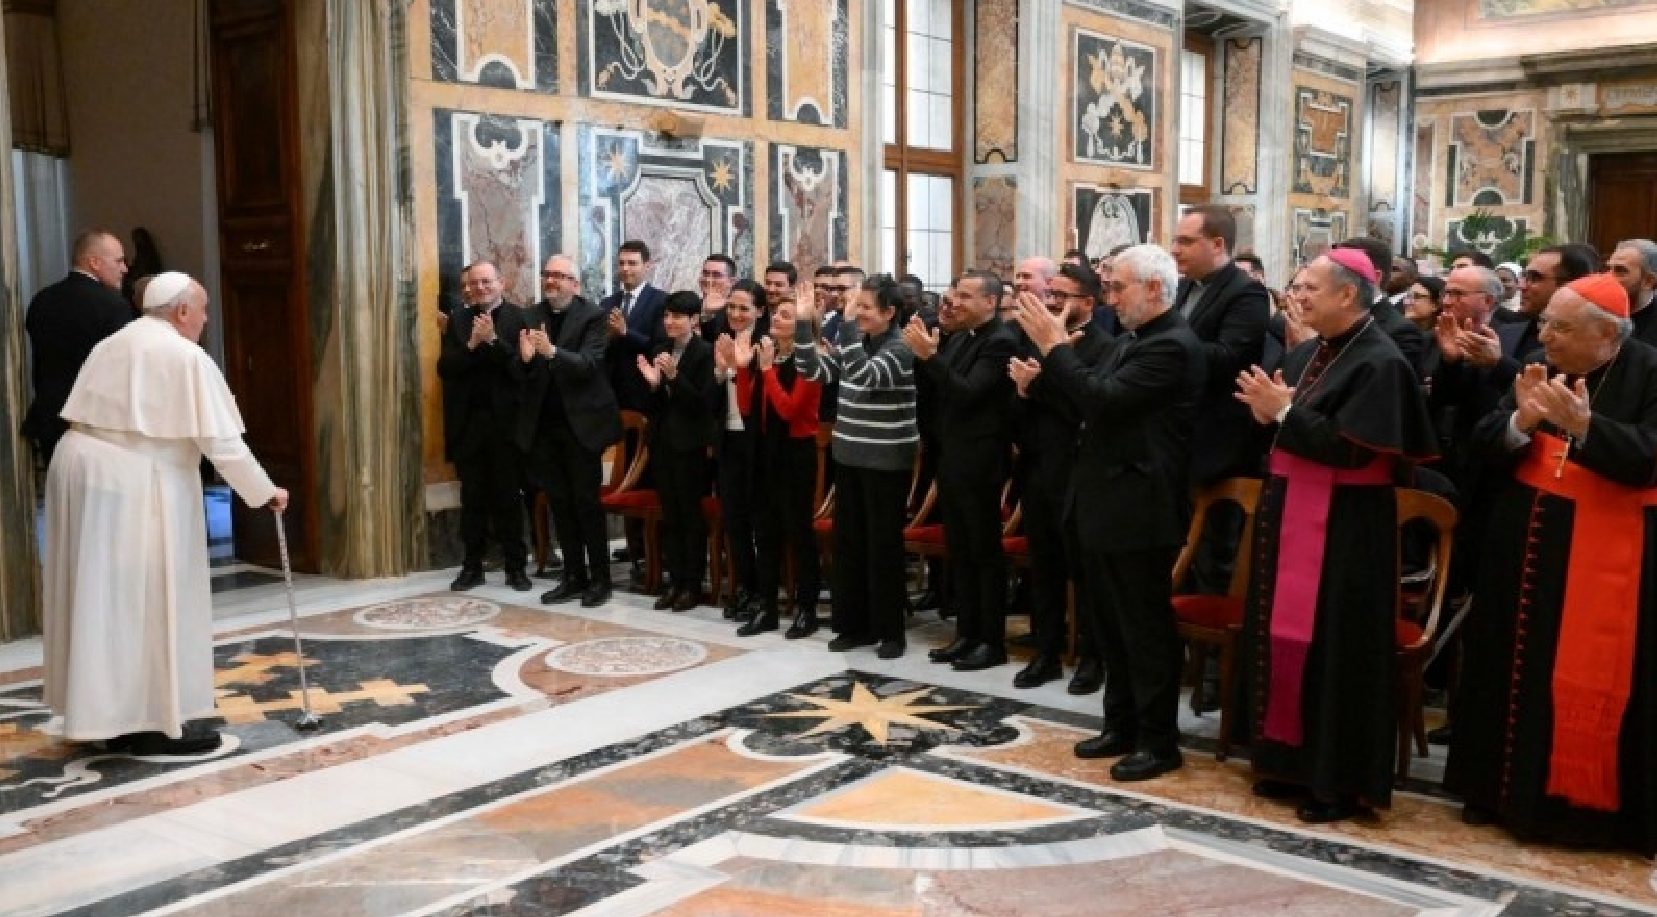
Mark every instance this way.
x=874 y=446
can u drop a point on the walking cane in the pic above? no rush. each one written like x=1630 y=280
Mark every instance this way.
x=307 y=720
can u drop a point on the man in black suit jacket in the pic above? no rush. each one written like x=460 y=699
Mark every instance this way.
x=570 y=417
x=633 y=315
x=482 y=398
x=974 y=397
x=1129 y=502
x=1410 y=340
x=65 y=321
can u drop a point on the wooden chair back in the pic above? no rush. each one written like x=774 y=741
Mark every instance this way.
x=1245 y=493
x=634 y=454
x=1437 y=512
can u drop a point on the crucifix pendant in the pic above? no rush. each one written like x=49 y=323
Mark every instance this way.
x=1564 y=453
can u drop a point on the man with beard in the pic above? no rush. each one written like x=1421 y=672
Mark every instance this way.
x=1634 y=264
x=1547 y=271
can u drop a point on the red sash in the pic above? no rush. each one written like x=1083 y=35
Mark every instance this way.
x=1593 y=667
x=1302 y=538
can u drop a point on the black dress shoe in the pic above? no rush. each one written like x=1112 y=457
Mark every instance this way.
x=145 y=744
x=955 y=650
x=596 y=594
x=1321 y=812
x=758 y=624
x=1440 y=736
x=665 y=600
x=891 y=649
x=925 y=601
x=1040 y=671
x=686 y=600
x=1089 y=677
x=567 y=591
x=1145 y=765
x=519 y=581
x=1107 y=744
x=983 y=656
x=1268 y=788
x=469 y=578
x=846 y=642
x=805 y=624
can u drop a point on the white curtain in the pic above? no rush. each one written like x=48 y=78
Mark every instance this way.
x=42 y=220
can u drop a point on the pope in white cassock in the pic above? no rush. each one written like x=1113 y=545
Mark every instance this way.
x=128 y=604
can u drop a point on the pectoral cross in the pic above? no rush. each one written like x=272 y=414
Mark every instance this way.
x=1564 y=455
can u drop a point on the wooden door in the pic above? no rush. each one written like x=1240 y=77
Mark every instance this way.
x=266 y=341
x=1623 y=199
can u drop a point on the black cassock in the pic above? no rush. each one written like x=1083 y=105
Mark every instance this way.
x=1504 y=707
x=1357 y=400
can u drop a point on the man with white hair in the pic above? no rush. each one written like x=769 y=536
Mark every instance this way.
x=1634 y=264
x=128 y=608
x=1129 y=501
x=1556 y=719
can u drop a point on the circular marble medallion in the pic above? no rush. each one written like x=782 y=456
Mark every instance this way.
x=428 y=613
x=620 y=657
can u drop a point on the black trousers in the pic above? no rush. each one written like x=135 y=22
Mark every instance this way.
x=571 y=475
x=1051 y=567
x=738 y=486
x=491 y=487
x=1130 y=601
x=970 y=498
x=783 y=523
x=1216 y=554
x=868 y=552
x=681 y=482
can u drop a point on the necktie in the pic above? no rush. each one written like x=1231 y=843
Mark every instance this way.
x=627 y=306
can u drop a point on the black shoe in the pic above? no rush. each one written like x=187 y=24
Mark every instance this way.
x=1205 y=697
x=147 y=744
x=519 y=580
x=926 y=601
x=983 y=656
x=1025 y=640
x=567 y=591
x=1145 y=765
x=1440 y=736
x=596 y=594
x=1268 y=788
x=891 y=649
x=1040 y=671
x=1319 y=812
x=469 y=578
x=665 y=600
x=955 y=650
x=805 y=624
x=1107 y=744
x=846 y=642
x=758 y=624
x=1477 y=816
x=1089 y=677
x=732 y=609
x=619 y=555
x=687 y=600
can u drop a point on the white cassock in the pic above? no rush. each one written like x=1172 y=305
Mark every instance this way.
x=128 y=603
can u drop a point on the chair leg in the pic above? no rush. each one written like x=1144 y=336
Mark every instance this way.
x=1228 y=696
x=1418 y=713
x=1073 y=649
x=1404 y=726
x=652 y=556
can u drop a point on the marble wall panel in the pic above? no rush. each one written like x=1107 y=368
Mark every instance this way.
x=686 y=199
x=1521 y=9
x=995 y=223
x=1323 y=143
x=1108 y=217
x=689 y=54
x=1240 y=117
x=1245 y=216
x=995 y=81
x=498 y=197
x=505 y=45
x=806 y=61
x=1490 y=158
x=1491 y=234
x=808 y=206
x=1116 y=87
x=1386 y=111
x=1315 y=231
x=1421 y=218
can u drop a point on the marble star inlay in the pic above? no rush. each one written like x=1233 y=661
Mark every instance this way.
x=722 y=176
x=875 y=714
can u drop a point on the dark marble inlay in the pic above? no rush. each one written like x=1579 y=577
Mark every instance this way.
x=1148 y=13
x=683 y=54
x=1327 y=67
x=779 y=41
x=809 y=218
x=448 y=23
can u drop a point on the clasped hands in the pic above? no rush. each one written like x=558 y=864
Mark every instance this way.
x=533 y=342
x=1478 y=344
x=654 y=371
x=733 y=353
x=1266 y=396
x=921 y=340
x=1537 y=398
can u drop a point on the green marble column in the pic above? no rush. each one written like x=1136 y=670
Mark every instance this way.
x=19 y=562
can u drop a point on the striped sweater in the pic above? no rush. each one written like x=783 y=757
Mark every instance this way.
x=874 y=425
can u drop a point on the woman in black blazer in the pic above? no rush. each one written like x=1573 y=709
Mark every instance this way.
x=680 y=378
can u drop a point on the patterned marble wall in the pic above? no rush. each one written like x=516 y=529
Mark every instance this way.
x=1422 y=185
x=995 y=81
x=995 y=223
x=488 y=48
x=1110 y=217
x=685 y=199
x=1115 y=101
x=806 y=61
x=1323 y=143
x=1327 y=115
x=1386 y=117
x=1316 y=231
x=1240 y=117
x=1480 y=154
x=808 y=206
x=1489 y=158
x=688 y=54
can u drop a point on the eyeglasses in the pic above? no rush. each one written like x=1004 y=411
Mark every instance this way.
x=556 y=275
x=713 y=275
x=1121 y=286
x=1543 y=323
x=1056 y=296
x=1538 y=277
x=1450 y=293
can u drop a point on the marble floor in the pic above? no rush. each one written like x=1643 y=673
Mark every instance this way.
x=484 y=756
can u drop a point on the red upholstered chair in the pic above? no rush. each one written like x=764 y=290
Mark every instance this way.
x=1215 y=622
x=1416 y=625
x=622 y=496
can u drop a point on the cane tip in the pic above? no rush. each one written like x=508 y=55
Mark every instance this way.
x=308 y=723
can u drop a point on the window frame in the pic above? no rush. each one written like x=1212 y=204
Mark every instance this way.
x=1200 y=44
x=905 y=160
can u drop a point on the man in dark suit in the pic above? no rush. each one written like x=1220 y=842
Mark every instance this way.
x=1546 y=271
x=1129 y=502
x=968 y=372
x=65 y=321
x=482 y=386
x=633 y=315
x=1634 y=264
x=682 y=424
x=570 y=417
x=1410 y=340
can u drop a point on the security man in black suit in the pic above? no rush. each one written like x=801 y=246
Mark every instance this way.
x=1129 y=502
x=65 y=321
x=482 y=396
x=974 y=401
x=570 y=417
x=633 y=315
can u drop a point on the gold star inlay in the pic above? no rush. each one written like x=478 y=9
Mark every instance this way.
x=617 y=165
x=875 y=714
x=722 y=176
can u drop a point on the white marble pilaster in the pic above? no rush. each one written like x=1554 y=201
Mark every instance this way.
x=1276 y=151
x=873 y=150
x=1040 y=105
